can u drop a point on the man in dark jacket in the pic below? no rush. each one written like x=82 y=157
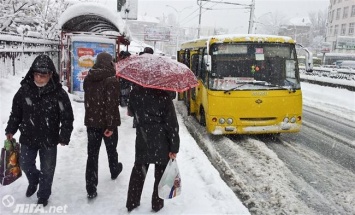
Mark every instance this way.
x=42 y=111
x=157 y=140
x=102 y=117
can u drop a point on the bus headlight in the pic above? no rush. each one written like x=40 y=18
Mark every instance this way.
x=293 y=120
x=286 y=120
x=222 y=120
x=229 y=121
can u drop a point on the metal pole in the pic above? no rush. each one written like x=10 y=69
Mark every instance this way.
x=295 y=31
x=177 y=33
x=178 y=24
x=251 y=18
x=199 y=21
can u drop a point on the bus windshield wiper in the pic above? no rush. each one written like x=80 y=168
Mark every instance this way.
x=234 y=88
x=259 y=83
x=293 y=88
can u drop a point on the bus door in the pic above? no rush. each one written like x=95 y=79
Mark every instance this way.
x=180 y=58
x=191 y=94
x=187 y=62
x=200 y=90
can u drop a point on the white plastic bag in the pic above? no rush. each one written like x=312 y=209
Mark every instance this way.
x=170 y=183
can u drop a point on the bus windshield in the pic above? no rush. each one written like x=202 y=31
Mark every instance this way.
x=242 y=65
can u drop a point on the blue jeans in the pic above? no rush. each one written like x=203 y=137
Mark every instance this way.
x=44 y=176
x=95 y=136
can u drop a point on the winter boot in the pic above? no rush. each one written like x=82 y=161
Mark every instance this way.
x=133 y=206
x=42 y=201
x=116 y=173
x=157 y=204
x=31 y=189
x=92 y=195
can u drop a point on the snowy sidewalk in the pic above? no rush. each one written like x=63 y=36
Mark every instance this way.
x=203 y=191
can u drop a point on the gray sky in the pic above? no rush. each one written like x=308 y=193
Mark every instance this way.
x=235 y=18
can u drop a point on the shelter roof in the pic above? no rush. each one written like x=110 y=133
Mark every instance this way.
x=92 y=17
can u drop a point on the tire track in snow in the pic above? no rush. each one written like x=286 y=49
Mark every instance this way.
x=252 y=171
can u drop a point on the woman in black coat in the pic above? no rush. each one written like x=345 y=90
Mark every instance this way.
x=157 y=140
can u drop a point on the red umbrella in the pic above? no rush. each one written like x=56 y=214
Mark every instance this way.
x=154 y=71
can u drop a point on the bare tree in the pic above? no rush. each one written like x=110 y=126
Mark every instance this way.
x=318 y=29
x=13 y=11
x=318 y=20
x=48 y=14
x=270 y=23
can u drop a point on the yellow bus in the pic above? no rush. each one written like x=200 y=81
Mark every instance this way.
x=248 y=84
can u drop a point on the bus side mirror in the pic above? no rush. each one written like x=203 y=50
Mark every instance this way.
x=208 y=62
x=309 y=62
x=309 y=59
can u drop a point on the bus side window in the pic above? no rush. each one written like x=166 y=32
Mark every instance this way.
x=203 y=70
x=194 y=64
x=198 y=72
x=187 y=58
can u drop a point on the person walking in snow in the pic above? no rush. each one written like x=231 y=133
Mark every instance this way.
x=148 y=50
x=42 y=111
x=102 y=117
x=157 y=140
x=125 y=85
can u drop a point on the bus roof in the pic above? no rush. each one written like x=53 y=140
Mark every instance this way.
x=227 y=38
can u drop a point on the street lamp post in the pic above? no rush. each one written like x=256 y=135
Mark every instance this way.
x=178 y=12
x=256 y=20
x=295 y=30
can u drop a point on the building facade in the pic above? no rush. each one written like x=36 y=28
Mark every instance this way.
x=298 y=29
x=341 y=26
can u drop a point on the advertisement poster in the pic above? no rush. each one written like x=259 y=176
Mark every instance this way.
x=84 y=55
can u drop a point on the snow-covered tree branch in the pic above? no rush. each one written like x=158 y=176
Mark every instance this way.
x=32 y=17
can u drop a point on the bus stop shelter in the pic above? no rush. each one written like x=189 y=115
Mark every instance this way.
x=88 y=23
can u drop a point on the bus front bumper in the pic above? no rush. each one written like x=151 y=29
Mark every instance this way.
x=280 y=128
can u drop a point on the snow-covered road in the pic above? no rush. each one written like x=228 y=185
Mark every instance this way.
x=306 y=173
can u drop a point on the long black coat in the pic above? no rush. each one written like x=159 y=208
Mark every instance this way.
x=43 y=115
x=157 y=131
